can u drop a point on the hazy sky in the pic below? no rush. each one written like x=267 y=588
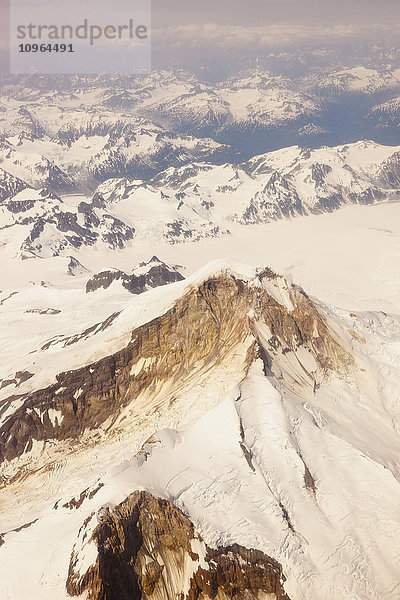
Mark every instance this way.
x=191 y=31
x=259 y=12
x=210 y=24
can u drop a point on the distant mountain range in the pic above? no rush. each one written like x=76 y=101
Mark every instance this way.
x=81 y=130
x=168 y=433
x=197 y=200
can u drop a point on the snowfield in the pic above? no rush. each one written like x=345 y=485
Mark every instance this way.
x=221 y=332
x=337 y=536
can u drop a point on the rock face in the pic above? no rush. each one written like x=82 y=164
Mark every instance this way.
x=10 y=185
x=104 y=279
x=51 y=228
x=20 y=377
x=75 y=268
x=144 y=277
x=390 y=171
x=145 y=548
x=219 y=319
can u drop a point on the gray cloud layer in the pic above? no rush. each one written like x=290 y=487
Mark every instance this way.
x=203 y=36
x=264 y=12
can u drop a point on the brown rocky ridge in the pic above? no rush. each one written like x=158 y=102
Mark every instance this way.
x=214 y=321
x=147 y=549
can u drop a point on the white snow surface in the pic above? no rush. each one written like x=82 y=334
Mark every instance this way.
x=339 y=543
x=342 y=541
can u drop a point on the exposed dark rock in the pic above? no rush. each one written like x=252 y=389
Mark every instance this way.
x=144 y=545
x=204 y=326
x=124 y=100
x=20 y=206
x=237 y=573
x=32 y=125
x=17 y=530
x=96 y=202
x=247 y=453
x=309 y=480
x=389 y=174
x=75 y=267
x=286 y=517
x=319 y=172
x=7 y=382
x=155 y=277
x=104 y=279
x=68 y=222
x=89 y=332
x=20 y=377
x=75 y=230
x=86 y=494
x=117 y=232
x=43 y=311
x=157 y=274
x=10 y=185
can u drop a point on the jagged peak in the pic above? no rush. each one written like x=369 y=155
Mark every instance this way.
x=218 y=317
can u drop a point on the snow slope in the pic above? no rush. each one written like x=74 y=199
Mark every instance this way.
x=289 y=182
x=269 y=417
x=309 y=476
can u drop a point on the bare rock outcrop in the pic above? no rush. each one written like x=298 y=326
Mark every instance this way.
x=145 y=548
x=148 y=275
x=214 y=321
x=10 y=185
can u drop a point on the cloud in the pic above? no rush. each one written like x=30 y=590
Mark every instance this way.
x=212 y=35
x=264 y=12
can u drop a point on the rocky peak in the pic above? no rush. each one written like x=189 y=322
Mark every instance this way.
x=10 y=185
x=147 y=549
x=222 y=320
x=145 y=276
x=75 y=268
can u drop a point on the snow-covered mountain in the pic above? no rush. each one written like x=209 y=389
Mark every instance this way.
x=91 y=128
x=73 y=141
x=145 y=276
x=387 y=114
x=225 y=432
x=289 y=182
x=260 y=99
x=86 y=148
x=198 y=200
x=10 y=185
x=385 y=119
x=24 y=161
x=37 y=223
x=169 y=433
x=356 y=80
x=253 y=99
